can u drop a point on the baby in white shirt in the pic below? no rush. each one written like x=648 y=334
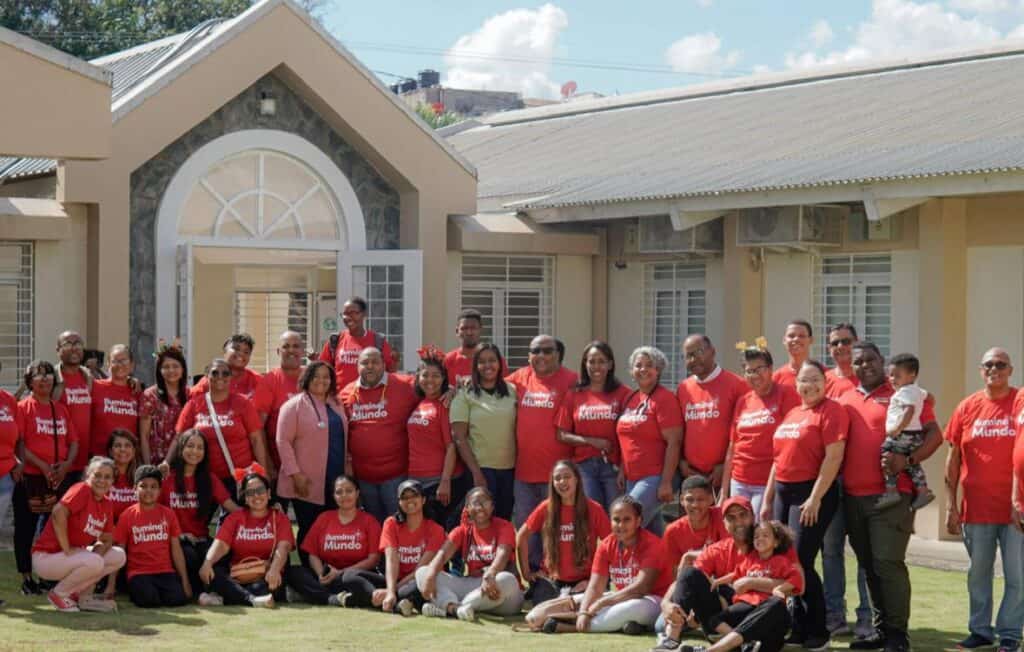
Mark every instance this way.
x=903 y=431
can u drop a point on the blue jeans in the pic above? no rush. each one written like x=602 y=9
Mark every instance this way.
x=6 y=495
x=380 y=499
x=501 y=484
x=645 y=491
x=755 y=492
x=833 y=565
x=981 y=540
x=528 y=496
x=600 y=480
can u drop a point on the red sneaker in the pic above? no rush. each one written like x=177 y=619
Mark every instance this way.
x=66 y=605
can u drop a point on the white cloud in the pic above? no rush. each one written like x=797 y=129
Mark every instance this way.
x=821 y=34
x=477 y=60
x=900 y=28
x=981 y=6
x=1017 y=34
x=700 y=53
x=705 y=3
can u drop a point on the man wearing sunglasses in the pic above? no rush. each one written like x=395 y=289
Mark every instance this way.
x=981 y=434
x=540 y=388
x=840 y=378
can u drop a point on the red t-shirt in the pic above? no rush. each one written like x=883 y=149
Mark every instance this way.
x=707 y=414
x=121 y=495
x=430 y=434
x=377 y=438
x=593 y=414
x=680 y=537
x=88 y=518
x=862 y=467
x=479 y=547
x=249 y=536
x=721 y=558
x=754 y=421
x=78 y=399
x=639 y=430
x=237 y=418
x=777 y=567
x=186 y=504
x=35 y=424
x=537 y=403
x=785 y=375
x=600 y=527
x=245 y=384
x=1018 y=444
x=411 y=544
x=836 y=386
x=623 y=565
x=146 y=535
x=274 y=389
x=984 y=431
x=346 y=356
x=798 y=445
x=8 y=432
x=459 y=367
x=113 y=406
x=341 y=545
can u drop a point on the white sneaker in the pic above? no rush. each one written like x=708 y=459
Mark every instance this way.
x=431 y=610
x=340 y=599
x=97 y=603
x=210 y=600
x=264 y=601
x=466 y=612
x=406 y=607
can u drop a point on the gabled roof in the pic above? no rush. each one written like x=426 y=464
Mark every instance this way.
x=948 y=115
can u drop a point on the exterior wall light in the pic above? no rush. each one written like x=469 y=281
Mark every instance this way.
x=268 y=105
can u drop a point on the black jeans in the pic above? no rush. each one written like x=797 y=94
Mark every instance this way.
x=195 y=555
x=236 y=593
x=305 y=515
x=360 y=583
x=159 y=590
x=768 y=622
x=447 y=516
x=809 y=609
x=501 y=484
x=27 y=523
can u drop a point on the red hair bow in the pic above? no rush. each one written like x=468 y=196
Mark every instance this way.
x=252 y=468
x=430 y=352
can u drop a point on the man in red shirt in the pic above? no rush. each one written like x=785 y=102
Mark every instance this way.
x=540 y=388
x=706 y=398
x=278 y=385
x=879 y=538
x=73 y=388
x=237 y=352
x=981 y=434
x=343 y=348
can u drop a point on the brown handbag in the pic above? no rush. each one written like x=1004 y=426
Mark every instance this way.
x=41 y=496
x=254 y=569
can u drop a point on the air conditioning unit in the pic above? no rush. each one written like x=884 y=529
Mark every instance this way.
x=860 y=229
x=796 y=227
x=657 y=236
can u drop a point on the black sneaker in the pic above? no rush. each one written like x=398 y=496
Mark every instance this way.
x=633 y=628
x=30 y=587
x=975 y=641
x=550 y=626
x=817 y=643
x=1009 y=645
x=796 y=638
x=693 y=648
x=873 y=642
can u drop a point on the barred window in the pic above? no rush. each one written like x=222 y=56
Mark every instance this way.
x=16 y=311
x=675 y=305
x=855 y=289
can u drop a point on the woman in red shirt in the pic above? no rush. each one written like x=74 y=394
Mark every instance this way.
x=487 y=585
x=47 y=445
x=570 y=525
x=161 y=404
x=432 y=456
x=10 y=465
x=344 y=549
x=408 y=541
x=650 y=432
x=193 y=492
x=122 y=448
x=802 y=492
x=586 y=421
x=75 y=548
x=114 y=403
x=256 y=533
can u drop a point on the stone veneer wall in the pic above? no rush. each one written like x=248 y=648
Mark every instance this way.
x=378 y=199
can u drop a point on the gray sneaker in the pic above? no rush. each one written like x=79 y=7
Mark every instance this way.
x=836 y=624
x=923 y=497
x=864 y=628
x=890 y=498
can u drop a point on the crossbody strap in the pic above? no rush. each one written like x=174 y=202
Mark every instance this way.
x=220 y=435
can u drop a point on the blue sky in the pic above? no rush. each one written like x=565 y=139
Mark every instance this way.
x=675 y=42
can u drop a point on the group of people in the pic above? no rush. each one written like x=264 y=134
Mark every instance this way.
x=463 y=488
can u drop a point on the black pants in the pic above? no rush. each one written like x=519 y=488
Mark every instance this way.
x=447 y=516
x=768 y=622
x=236 y=593
x=195 y=555
x=544 y=589
x=360 y=583
x=305 y=515
x=27 y=523
x=159 y=590
x=809 y=609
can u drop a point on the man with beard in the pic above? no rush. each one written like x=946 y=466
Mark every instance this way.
x=279 y=385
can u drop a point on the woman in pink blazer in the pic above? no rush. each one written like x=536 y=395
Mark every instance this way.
x=313 y=447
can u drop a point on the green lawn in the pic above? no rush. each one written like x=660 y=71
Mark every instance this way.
x=938 y=621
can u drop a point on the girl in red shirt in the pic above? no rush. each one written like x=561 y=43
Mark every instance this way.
x=488 y=585
x=587 y=418
x=256 y=533
x=115 y=405
x=76 y=546
x=344 y=549
x=570 y=525
x=409 y=541
x=122 y=448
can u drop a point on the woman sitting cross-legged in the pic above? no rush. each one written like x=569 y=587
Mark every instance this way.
x=634 y=562
x=249 y=554
x=409 y=541
x=343 y=548
x=486 y=544
x=570 y=525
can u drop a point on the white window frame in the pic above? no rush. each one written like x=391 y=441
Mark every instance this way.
x=24 y=315
x=860 y=285
x=686 y=288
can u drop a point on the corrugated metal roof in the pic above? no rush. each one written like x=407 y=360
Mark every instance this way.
x=12 y=167
x=907 y=122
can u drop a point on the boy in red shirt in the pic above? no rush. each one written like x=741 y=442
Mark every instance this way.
x=702 y=525
x=148 y=532
x=343 y=348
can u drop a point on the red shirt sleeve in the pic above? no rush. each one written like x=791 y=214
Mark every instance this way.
x=564 y=419
x=668 y=413
x=600 y=525
x=263 y=397
x=310 y=543
x=284 y=527
x=835 y=423
x=372 y=531
x=389 y=358
x=121 y=531
x=436 y=538
x=187 y=418
x=507 y=535
x=172 y=521
x=325 y=353
x=928 y=413
x=227 y=529
x=458 y=536
x=389 y=535
x=601 y=561
x=955 y=427
x=250 y=417
x=535 y=521
x=791 y=573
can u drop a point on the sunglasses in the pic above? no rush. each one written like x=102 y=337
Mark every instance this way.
x=219 y=373
x=842 y=341
x=546 y=350
x=255 y=491
x=995 y=364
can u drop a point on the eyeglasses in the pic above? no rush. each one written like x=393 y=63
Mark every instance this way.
x=41 y=376
x=842 y=341
x=693 y=355
x=219 y=373
x=72 y=344
x=255 y=491
x=999 y=365
x=756 y=370
x=546 y=350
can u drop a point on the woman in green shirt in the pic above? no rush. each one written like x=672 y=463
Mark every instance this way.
x=483 y=418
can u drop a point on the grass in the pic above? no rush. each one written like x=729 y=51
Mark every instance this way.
x=939 y=616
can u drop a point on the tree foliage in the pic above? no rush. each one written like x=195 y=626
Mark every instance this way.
x=436 y=116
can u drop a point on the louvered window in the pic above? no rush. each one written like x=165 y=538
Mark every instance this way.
x=16 y=311
x=675 y=305
x=265 y=315
x=515 y=296
x=858 y=290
